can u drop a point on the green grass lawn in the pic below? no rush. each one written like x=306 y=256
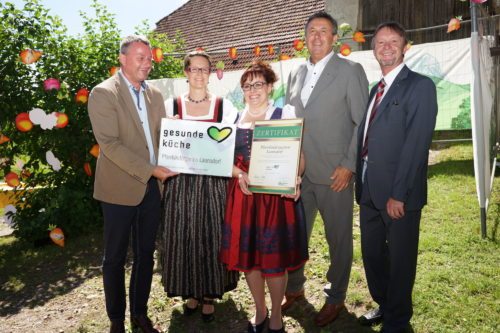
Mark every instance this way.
x=457 y=288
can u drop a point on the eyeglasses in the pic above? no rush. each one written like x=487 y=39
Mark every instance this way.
x=195 y=70
x=255 y=86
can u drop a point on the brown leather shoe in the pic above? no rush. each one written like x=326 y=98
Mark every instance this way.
x=291 y=298
x=328 y=313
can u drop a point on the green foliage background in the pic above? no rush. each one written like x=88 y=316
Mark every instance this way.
x=63 y=198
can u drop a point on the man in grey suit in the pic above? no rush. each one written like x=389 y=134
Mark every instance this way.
x=125 y=114
x=391 y=178
x=330 y=93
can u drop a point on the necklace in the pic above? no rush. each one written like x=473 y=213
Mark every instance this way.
x=197 y=101
x=257 y=114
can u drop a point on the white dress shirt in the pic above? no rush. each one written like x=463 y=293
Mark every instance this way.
x=313 y=73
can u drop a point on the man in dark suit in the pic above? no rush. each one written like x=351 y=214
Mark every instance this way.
x=330 y=93
x=391 y=178
x=125 y=114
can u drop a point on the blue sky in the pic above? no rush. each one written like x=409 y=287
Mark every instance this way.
x=128 y=13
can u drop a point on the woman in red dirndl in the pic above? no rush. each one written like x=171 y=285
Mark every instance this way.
x=264 y=235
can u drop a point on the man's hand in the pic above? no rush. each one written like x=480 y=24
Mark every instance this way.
x=395 y=209
x=341 y=177
x=163 y=173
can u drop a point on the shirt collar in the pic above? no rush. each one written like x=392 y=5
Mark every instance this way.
x=321 y=63
x=391 y=76
x=144 y=85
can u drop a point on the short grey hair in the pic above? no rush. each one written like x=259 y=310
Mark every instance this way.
x=127 y=41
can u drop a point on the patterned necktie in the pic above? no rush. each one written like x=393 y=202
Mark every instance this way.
x=378 y=98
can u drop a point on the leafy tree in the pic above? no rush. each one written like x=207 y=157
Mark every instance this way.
x=61 y=197
x=462 y=120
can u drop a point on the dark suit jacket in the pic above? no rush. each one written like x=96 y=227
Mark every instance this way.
x=331 y=116
x=398 y=142
x=123 y=167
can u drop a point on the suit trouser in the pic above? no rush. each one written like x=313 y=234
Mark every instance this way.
x=119 y=223
x=389 y=248
x=335 y=209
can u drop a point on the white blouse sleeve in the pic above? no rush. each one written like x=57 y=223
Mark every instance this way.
x=169 y=107
x=230 y=112
x=288 y=112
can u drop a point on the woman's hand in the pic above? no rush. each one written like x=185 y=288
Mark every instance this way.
x=243 y=181
x=173 y=117
x=295 y=196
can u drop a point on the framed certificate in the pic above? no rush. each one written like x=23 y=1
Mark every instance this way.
x=197 y=147
x=275 y=156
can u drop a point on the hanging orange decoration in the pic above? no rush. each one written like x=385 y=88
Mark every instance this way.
x=113 y=70
x=219 y=69
x=56 y=235
x=358 y=37
x=345 y=50
x=82 y=96
x=454 y=24
x=29 y=56
x=12 y=179
x=62 y=120
x=270 y=49
x=256 y=50
x=298 y=44
x=199 y=49
x=157 y=54
x=87 y=168
x=4 y=138
x=23 y=122
x=284 y=56
x=233 y=53
x=94 y=151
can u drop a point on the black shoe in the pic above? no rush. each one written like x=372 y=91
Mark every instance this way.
x=279 y=330
x=258 y=328
x=117 y=326
x=372 y=317
x=207 y=317
x=143 y=323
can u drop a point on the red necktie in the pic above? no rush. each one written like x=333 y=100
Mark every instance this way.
x=378 y=98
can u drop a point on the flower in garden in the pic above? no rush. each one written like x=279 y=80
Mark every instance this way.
x=23 y=122
x=233 y=53
x=256 y=50
x=62 y=119
x=4 y=138
x=113 y=70
x=87 y=168
x=345 y=50
x=298 y=44
x=12 y=179
x=94 y=151
x=51 y=83
x=454 y=24
x=358 y=37
x=29 y=56
x=157 y=54
x=82 y=96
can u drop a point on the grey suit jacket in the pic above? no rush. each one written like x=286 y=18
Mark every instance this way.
x=398 y=142
x=123 y=167
x=331 y=117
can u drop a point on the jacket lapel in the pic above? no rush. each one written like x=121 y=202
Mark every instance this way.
x=327 y=76
x=388 y=98
x=301 y=76
x=130 y=109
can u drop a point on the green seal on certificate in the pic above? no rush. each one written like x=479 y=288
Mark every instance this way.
x=274 y=162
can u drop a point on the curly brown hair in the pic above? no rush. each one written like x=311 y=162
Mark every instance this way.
x=259 y=68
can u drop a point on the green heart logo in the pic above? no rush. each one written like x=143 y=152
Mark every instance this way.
x=219 y=135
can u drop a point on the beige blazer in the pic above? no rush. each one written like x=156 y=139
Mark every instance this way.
x=123 y=167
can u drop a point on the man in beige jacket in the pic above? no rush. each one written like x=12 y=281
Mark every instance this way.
x=126 y=114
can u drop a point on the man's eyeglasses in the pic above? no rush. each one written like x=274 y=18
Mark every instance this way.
x=195 y=70
x=255 y=86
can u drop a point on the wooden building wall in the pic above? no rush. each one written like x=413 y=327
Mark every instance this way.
x=414 y=14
